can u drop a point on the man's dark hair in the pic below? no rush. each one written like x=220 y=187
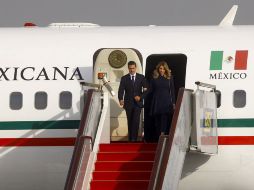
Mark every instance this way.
x=132 y=63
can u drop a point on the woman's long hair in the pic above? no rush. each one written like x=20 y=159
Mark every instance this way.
x=167 y=70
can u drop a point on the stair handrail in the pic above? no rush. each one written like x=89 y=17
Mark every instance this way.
x=163 y=149
x=160 y=153
x=83 y=146
x=84 y=116
x=79 y=162
x=198 y=83
x=85 y=124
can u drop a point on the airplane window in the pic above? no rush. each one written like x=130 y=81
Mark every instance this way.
x=16 y=100
x=65 y=101
x=239 y=98
x=40 y=100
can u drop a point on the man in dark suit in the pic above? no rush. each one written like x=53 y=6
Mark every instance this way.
x=131 y=93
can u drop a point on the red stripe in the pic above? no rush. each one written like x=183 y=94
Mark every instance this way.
x=222 y=140
x=37 y=141
x=241 y=60
x=236 y=140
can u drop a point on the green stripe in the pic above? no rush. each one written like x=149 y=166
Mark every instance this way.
x=22 y=125
x=74 y=124
x=249 y=122
x=216 y=60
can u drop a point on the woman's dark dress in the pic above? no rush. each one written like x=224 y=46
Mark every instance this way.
x=162 y=103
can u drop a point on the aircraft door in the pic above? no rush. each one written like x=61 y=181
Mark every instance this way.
x=177 y=63
x=113 y=63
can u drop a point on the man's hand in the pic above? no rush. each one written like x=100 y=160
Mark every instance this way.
x=137 y=98
x=121 y=102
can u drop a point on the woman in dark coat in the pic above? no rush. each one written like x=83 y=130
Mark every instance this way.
x=163 y=100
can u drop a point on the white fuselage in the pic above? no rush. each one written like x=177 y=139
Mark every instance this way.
x=28 y=61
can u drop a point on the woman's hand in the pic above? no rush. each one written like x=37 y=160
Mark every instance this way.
x=137 y=98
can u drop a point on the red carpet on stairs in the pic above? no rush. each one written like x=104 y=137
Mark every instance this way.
x=123 y=166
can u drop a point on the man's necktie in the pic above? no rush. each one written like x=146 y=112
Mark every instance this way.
x=133 y=80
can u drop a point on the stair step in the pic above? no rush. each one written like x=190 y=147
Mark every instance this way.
x=123 y=166
x=116 y=175
x=125 y=156
x=119 y=185
x=128 y=147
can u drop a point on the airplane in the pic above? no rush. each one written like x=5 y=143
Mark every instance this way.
x=41 y=98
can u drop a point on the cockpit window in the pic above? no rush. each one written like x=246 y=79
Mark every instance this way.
x=65 y=101
x=239 y=98
x=40 y=100
x=16 y=100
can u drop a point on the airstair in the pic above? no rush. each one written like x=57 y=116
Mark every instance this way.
x=123 y=166
x=98 y=163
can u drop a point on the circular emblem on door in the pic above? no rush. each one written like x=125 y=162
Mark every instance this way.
x=117 y=59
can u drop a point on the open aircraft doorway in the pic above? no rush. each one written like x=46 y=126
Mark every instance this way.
x=177 y=64
x=113 y=63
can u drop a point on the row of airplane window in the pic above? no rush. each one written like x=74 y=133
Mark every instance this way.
x=65 y=100
x=40 y=100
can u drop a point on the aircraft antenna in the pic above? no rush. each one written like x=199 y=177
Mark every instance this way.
x=229 y=18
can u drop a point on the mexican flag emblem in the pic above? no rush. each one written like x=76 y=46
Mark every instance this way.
x=221 y=60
